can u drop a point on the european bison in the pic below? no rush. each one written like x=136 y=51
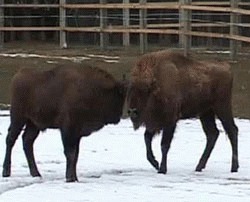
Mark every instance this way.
x=166 y=86
x=75 y=100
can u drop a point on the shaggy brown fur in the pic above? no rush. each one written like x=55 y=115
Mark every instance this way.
x=76 y=100
x=166 y=86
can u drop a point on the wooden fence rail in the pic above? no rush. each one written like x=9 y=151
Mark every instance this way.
x=184 y=28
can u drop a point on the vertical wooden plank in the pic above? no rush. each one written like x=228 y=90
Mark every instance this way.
x=187 y=28
x=1 y=24
x=11 y=24
x=239 y=20
x=62 y=24
x=233 y=29
x=181 y=24
x=209 y=41
x=103 y=25
x=42 y=34
x=126 y=36
x=143 y=25
x=26 y=21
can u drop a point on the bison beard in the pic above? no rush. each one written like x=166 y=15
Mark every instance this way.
x=76 y=100
x=166 y=86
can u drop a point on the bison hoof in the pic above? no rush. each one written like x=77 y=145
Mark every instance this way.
x=235 y=167
x=69 y=180
x=198 y=169
x=6 y=173
x=36 y=175
x=156 y=166
x=162 y=171
x=154 y=163
x=234 y=170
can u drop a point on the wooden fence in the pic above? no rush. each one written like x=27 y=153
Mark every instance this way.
x=184 y=28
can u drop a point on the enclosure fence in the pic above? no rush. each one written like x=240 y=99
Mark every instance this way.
x=186 y=20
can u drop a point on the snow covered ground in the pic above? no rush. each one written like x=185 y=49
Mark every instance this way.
x=112 y=167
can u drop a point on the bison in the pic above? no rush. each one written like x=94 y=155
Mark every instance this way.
x=165 y=87
x=75 y=100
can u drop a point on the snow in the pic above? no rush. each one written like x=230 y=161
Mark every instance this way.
x=77 y=59
x=112 y=167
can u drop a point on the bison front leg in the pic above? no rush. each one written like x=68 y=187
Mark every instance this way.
x=71 y=151
x=232 y=132
x=167 y=136
x=150 y=156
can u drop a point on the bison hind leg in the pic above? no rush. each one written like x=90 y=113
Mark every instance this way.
x=212 y=133
x=14 y=130
x=29 y=136
x=226 y=118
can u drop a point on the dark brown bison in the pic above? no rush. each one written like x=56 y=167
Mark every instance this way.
x=166 y=86
x=75 y=100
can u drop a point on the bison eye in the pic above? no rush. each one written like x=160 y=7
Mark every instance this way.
x=133 y=112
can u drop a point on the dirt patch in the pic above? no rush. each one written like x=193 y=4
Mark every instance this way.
x=116 y=61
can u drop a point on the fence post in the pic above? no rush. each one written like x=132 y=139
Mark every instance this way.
x=62 y=24
x=233 y=29
x=126 y=37
x=103 y=25
x=181 y=24
x=187 y=15
x=1 y=24
x=143 y=25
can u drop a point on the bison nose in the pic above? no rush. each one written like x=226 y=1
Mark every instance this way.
x=133 y=113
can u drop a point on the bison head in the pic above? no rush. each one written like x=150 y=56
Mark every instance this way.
x=137 y=99
x=147 y=106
